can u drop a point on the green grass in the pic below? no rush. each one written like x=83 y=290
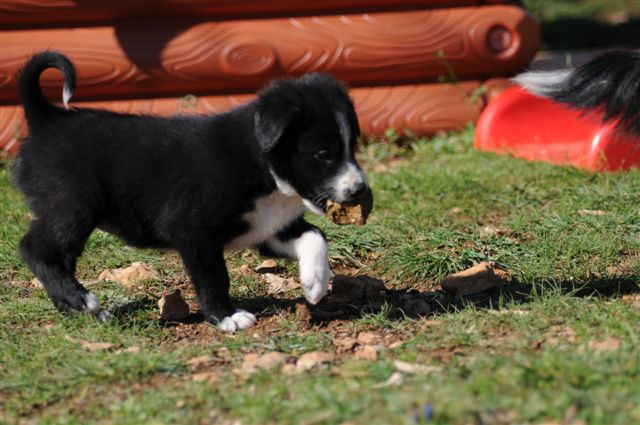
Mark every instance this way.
x=531 y=359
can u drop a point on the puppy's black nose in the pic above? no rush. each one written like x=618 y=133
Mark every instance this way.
x=356 y=192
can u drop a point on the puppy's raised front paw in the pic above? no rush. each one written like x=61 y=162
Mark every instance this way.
x=315 y=281
x=241 y=319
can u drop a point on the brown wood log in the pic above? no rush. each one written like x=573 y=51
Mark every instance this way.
x=23 y=13
x=175 y=58
x=418 y=109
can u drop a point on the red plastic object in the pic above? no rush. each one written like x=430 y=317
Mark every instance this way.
x=526 y=126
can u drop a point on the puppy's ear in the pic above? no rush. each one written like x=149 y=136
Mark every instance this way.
x=278 y=106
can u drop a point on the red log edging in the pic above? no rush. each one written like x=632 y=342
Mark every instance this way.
x=145 y=60
x=422 y=109
x=40 y=13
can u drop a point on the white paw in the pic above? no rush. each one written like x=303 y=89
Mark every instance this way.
x=92 y=306
x=241 y=319
x=315 y=280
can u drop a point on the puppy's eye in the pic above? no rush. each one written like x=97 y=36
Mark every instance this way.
x=323 y=155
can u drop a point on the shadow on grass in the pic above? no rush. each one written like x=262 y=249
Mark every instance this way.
x=373 y=298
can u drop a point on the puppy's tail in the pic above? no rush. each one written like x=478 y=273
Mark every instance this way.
x=610 y=82
x=36 y=105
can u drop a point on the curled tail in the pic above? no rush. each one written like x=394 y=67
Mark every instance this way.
x=610 y=82
x=36 y=105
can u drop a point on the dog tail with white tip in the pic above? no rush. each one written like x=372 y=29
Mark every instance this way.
x=35 y=103
x=609 y=82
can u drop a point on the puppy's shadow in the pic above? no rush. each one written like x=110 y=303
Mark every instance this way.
x=399 y=304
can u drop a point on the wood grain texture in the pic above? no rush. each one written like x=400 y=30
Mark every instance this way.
x=176 y=58
x=35 y=13
x=419 y=109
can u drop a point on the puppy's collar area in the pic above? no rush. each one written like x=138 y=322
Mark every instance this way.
x=286 y=188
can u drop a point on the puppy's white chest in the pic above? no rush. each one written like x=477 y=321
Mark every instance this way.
x=271 y=214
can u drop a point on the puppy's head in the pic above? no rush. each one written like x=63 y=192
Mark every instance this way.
x=307 y=130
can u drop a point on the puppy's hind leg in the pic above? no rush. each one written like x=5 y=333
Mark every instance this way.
x=209 y=275
x=51 y=250
x=307 y=244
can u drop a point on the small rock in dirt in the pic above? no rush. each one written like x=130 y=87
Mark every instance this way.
x=267 y=266
x=278 y=284
x=134 y=349
x=412 y=368
x=479 y=278
x=135 y=272
x=357 y=287
x=366 y=338
x=345 y=344
x=368 y=352
x=173 y=307
x=314 y=359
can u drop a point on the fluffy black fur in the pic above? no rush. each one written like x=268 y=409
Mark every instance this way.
x=183 y=183
x=610 y=82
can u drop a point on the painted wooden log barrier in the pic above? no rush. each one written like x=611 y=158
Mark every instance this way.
x=42 y=13
x=147 y=60
x=170 y=56
x=420 y=109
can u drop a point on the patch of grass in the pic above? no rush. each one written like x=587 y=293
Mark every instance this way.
x=439 y=208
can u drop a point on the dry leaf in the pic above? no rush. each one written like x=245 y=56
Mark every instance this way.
x=368 y=338
x=135 y=272
x=345 y=344
x=267 y=266
x=314 y=359
x=593 y=212
x=479 y=278
x=90 y=346
x=605 y=345
x=405 y=367
x=368 y=352
x=394 y=380
x=278 y=284
x=205 y=377
x=173 y=307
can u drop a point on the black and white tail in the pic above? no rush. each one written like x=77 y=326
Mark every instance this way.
x=36 y=105
x=610 y=82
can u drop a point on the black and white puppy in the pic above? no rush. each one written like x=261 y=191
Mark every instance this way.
x=197 y=184
x=609 y=82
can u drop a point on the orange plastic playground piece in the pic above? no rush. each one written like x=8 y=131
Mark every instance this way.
x=526 y=126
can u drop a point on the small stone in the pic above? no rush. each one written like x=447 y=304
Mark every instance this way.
x=479 y=278
x=173 y=307
x=314 y=359
x=368 y=352
x=267 y=266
